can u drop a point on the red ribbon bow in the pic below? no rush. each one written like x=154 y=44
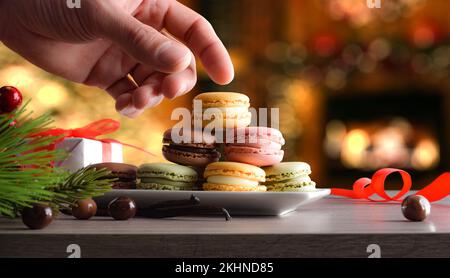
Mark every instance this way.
x=90 y=131
x=365 y=188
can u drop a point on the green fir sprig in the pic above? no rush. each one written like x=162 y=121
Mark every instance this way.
x=26 y=172
x=85 y=183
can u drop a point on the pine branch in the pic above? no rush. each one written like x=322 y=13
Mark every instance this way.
x=84 y=183
x=25 y=172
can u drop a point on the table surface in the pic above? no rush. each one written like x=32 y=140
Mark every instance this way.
x=330 y=222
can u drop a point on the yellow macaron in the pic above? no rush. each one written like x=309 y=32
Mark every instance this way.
x=233 y=176
x=225 y=108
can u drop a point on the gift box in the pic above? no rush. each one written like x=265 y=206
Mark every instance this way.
x=84 y=152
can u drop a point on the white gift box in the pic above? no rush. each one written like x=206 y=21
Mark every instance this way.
x=84 y=152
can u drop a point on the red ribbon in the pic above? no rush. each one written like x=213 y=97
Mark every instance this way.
x=365 y=188
x=106 y=152
x=90 y=131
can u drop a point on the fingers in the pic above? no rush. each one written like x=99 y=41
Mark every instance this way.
x=144 y=96
x=123 y=106
x=122 y=86
x=201 y=38
x=113 y=65
x=178 y=84
x=131 y=101
x=143 y=43
x=172 y=85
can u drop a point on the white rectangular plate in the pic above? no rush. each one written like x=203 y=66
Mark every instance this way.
x=237 y=203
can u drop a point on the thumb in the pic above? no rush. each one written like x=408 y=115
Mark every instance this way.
x=144 y=43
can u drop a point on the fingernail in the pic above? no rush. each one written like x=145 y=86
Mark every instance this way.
x=181 y=91
x=173 y=56
x=153 y=101
x=130 y=111
x=177 y=94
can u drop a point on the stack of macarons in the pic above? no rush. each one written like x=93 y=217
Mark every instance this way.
x=196 y=162
x=245 y=151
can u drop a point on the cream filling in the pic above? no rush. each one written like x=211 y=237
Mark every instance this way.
x=231 y=181
x=225 y=110
x=300 y=179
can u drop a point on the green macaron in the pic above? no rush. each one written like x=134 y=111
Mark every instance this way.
x=289 y=176
x=166 y=176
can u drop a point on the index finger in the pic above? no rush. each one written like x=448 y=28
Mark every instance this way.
x=200 y=37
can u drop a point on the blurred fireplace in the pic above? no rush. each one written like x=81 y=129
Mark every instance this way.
x=368 y=131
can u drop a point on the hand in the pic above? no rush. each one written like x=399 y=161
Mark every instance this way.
x=102 y=42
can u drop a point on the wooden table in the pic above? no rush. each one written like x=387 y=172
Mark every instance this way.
x=331 y=227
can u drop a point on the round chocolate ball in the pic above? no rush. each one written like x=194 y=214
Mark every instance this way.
x=84 y=209
x=37 y=217
x=122 y=208
x=416 y=208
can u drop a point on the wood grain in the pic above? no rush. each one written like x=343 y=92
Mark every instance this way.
x=331 y=227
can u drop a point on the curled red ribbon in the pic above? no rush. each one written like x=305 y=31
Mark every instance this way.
x=90 y=131
x=365 y=188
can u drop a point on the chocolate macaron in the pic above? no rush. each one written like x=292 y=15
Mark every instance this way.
x=125 y=174
x=196 y=150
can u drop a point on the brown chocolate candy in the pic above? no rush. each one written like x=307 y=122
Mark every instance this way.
x=416 y=208
x=84 y=209
x=37 y=217
x=122 y=208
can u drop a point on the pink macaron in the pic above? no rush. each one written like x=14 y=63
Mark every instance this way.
x=259 y=146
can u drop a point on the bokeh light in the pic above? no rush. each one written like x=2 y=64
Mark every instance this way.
x=354 y=148
x=51 y=95
x=18 y=76
x=425 y=155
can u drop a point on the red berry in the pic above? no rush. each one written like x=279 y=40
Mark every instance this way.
x=10 y=99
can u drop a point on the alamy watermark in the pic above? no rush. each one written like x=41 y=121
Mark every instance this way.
x=74 y=251
x=219 y=124
x=73 y=4
x=374 y=250
x=374 y=4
